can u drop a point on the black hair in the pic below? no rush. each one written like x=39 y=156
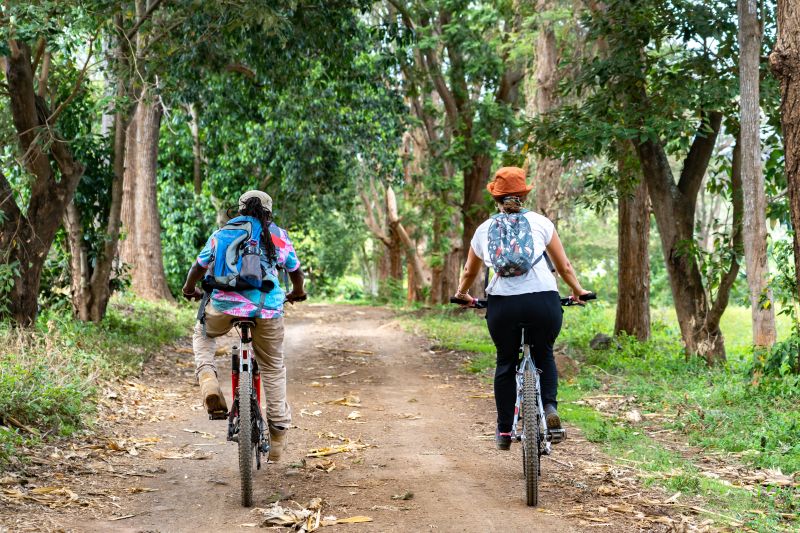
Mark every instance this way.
x=510 y=204
x=253 y=208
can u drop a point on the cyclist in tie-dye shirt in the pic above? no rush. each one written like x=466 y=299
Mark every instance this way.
x=265 y=307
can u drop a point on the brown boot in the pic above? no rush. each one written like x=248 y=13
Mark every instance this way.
x=211 y=393
x=277 y=442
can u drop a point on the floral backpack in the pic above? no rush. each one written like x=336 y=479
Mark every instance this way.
x=511 y=244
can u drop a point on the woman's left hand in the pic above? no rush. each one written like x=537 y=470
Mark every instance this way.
x=576 y=296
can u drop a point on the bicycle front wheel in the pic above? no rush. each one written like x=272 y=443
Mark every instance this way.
x=246 y=448
x=530 y=439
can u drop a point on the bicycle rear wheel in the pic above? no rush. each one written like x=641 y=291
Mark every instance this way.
x=246 y=448
x=530 y=440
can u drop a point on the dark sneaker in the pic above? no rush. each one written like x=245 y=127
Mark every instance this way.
x=551 y=416
x=503 y=440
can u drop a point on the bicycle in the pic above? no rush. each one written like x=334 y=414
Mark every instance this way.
x=246 y=424
x=529 y=426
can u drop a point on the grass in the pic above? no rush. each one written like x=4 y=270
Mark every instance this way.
x=719 y=409
x=49 y=373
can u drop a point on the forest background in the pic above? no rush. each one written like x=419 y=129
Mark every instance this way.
x=662 y=138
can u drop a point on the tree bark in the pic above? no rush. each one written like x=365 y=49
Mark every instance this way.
x=548 y=170
x=128 y=246
x=785 y=64
x=148 y=279
x=754 y=188
x=633 y=276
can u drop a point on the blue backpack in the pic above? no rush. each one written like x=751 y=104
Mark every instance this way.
x=511 y=244
x=237 y=258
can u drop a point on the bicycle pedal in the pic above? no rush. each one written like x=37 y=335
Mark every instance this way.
x=218 y=415
x=558 y=435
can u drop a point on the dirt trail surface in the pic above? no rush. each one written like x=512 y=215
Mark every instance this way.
x=421 y=458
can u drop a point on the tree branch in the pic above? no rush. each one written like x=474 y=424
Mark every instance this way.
x=696 y=162
x=52 y=118
x=147 y=14
x=405 y=14
x=729 y=278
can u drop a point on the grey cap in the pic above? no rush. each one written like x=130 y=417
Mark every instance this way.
x=266 y=199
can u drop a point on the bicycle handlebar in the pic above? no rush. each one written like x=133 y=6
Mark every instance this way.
x=481 y=304
x=475 y=303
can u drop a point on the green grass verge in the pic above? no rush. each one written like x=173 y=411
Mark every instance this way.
x=717 y=408
x=49 y=373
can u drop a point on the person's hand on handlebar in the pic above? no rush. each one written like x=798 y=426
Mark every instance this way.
x=576 y=296
x=466 y=297
x=192 y=293
x=296 y=296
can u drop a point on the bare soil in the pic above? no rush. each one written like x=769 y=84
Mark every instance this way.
x=155 y=463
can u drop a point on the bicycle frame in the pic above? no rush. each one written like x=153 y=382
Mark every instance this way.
x=243 y=360
x=550 y=436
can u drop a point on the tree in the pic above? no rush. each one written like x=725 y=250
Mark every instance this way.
x=543 y=85
x=26 y=236
x=462 y=75
x=785 y=63
x=633 y=274
x=754 y=188
x=656 y=89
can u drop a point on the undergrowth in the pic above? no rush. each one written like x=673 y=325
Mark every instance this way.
x=49 y=373
x=725 y=408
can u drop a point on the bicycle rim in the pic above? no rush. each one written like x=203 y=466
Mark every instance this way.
x=246 y=438
x=530 y=441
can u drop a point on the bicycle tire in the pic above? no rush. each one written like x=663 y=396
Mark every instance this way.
x=530 y=441
x=246 y=438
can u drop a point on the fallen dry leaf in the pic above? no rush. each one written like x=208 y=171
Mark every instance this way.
x=347 y=400
x=354 y=415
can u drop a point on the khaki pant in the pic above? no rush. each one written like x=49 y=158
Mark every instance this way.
x=268 y=347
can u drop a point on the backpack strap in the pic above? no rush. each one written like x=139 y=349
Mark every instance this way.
x=549 y=262
x=261 y=302
x=201 y=311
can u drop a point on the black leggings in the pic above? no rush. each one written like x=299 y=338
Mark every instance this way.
x=542 y=311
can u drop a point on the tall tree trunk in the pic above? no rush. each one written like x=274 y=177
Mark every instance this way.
x=754 y=189
x=101 y=277
x=633 y=276
x=473 y=206
x=148 y=280
x=785 y=64
x=128 y=246
x=548 y=170
x=78 y=263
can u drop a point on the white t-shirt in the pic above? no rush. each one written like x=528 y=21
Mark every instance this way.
x=537 y=279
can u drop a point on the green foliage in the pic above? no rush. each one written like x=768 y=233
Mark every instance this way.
x=782 y=359
x=49 y=374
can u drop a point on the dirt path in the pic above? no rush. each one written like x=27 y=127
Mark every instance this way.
x=429 y=429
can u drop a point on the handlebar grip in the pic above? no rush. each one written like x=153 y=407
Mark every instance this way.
x=568 y=301
x=476 y=304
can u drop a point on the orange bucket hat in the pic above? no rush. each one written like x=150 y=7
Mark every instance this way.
x=509 y=181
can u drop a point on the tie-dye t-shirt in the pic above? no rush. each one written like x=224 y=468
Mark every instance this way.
x=246 y=303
